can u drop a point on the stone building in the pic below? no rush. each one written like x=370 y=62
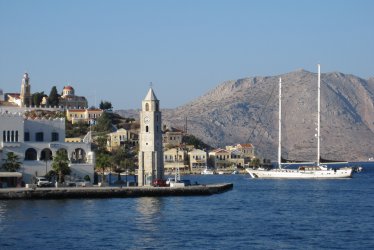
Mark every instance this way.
x=69 y=100
x=88 y=116
x=175 y=158
x=150 y=159
x=172 y=137
x=198 y=159
x=220 y=158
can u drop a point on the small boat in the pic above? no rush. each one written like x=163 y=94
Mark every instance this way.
x=207 y=171
x=235 y=172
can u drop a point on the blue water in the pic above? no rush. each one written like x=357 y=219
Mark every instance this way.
x=256 y=214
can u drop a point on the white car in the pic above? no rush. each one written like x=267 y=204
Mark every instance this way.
x=43 y=182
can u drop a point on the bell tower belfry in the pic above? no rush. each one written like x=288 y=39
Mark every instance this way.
x=25 y=94
x=151 y=162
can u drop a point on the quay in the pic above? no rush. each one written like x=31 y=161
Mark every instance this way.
x=110 y=192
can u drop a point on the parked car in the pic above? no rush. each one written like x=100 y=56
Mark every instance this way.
x=159 y=183
x=82 y=183
x=43 y=182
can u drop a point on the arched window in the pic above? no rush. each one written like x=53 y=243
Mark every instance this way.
x=4 y=136
x=30 y=154
x=147 y=107
x=12 y=138
x=146 y=129
x=78 y=156
x=8 y=136
x=46 y=155
x=16 y=135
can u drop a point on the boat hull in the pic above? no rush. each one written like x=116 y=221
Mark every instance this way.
x=300 y=174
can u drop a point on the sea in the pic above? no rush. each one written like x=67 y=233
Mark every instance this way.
x=255 y=214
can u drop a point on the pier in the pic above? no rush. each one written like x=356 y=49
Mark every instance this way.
x=110 y=192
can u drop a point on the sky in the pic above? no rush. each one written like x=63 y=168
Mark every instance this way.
x=112 y=50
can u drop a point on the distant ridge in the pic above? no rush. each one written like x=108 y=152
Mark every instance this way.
x=230 y=113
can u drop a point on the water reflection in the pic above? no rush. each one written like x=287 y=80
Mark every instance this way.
x=148 y=219
x=2 y=215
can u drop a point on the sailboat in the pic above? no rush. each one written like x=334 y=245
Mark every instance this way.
x=317 y=171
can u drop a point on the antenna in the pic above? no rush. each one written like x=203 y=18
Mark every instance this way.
x=318 y=114
x=280 y=125
x=185 y=126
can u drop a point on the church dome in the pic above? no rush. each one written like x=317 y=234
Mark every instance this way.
x=68 y=90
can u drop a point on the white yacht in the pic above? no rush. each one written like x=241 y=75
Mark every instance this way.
x=317 y=171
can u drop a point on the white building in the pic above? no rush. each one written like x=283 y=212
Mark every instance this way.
x=34 y=141
x=150 y=159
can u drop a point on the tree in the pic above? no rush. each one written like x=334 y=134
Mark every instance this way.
x=53 y=97
x=103 y=161
x=60 y=164
x=105 y=105
x=192 y=140
x=104 y=123
x=37 y=97
x=12 y=163
x=101 y=144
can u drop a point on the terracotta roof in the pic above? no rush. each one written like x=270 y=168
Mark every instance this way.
x=248 y=145
x=69 y=87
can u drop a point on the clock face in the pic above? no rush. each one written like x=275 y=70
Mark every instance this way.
x=146 y=119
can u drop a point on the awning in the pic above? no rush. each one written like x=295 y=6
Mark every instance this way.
x=10 y=174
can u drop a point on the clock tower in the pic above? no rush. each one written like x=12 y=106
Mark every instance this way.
x=151 y=164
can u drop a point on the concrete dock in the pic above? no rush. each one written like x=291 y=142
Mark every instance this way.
x=110 y=192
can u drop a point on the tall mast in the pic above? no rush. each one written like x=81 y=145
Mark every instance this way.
x=280 y=125
x=318 y=114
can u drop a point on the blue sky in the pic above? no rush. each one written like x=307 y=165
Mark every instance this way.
x=111 y=50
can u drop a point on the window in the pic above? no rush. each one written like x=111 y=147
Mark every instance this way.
x=156 y=106
x=146 y=107
x=30 y=154
x=27 y=136
x=39 y=136
x=146 y=129
x=55 y=136
x=4 y=136
x=12 y=138
x=16 y=135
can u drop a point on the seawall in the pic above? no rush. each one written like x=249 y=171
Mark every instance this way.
x=111 y=192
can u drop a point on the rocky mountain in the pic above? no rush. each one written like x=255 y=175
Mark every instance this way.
x=246 y=111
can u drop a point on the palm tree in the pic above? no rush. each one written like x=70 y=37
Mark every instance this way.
x=12 y=163
x=60 y=164
x=103 y=161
